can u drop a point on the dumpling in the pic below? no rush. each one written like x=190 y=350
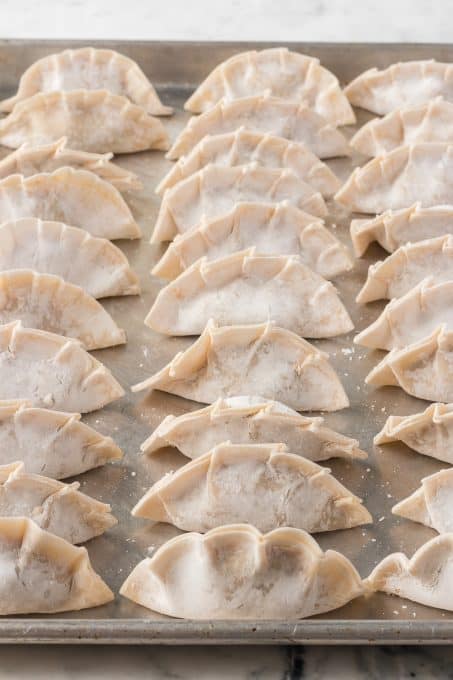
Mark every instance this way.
x=422 y=172
x=97 y=121
x=263 y=359
x=92 y=69
x=430 y=122
x=235 y=572
x=54 y=506
x=32 y=160
x=215 y=190
x=52 y=371
x=51 y=304
x=411 y=317
x=394 y=228
x=406 y=267
x=425 y=578
x=250 y=420
x=423 y=369
x=279 y=72
x=249 y=288
x=56 y=444
x=94 y=264
x=263 y=113
x=274 y=228
x=245 y=146
x=44 y=574
x=407 y=83
x=76 y=197
x=260 y=484
x=432 y=503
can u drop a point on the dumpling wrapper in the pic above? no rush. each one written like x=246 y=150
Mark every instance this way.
x=262 y=359
x=431 y=504
x=408 y=83
x=94 y=264
x=245 y=146
x=54 y=506
x=52 y=443
x=215 y=190
x=32 y=160
x=274 y=228
x=235 y=572
x=408 y=266
x=425 y=578
x=93 y=69
x=394 y=228
x=95 y=121
x=75 y=197
x=250 y=288
x=44 y=574
x=420 y=173
x=429 y=432
x=52 y=371
x=266 y=114
x=279 y=72
x=250 y=420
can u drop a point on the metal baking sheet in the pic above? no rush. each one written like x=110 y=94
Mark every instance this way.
x=388 y=475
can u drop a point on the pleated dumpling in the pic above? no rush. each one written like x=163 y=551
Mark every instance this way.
x=407 y=83
x=235 y=572
x=94 y=264
x=246 y=146
x=75 y=197
x=425 y=578
x=54 y=506
x=250 y=420
x=259 y=484
x=279 y=72
x=419 y=173
x=263 y=359
x=31 y=160
x=429 y=432
x=274 y=228
x=52 y=443
x=95 y=121
x=432 y=503
x=249 y=288
x=52 y=371
x=263 y=113
x=215 y=190
x=43 y=573
x=406 y=267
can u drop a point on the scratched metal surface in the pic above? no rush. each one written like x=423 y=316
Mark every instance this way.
x=388 y=475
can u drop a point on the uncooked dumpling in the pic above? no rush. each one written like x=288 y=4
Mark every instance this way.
x=263 y=359
x=404 y=84
x=406 y=267
x=262 y=113
x=274 y=228
x=44 y=574
x=75 y=197
x=279 y=72
x=92 y=69
x=31 y=160
x=432 y=503
x=52 y=371
x=56 y=507
x=52 y=443
x=425 y=578
x=235 y=572
x=215 y=190
x=250 y=420
x=249 y=288
x=95 y=121
x=245 y=146
x=422 y=172
x=94 y=264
